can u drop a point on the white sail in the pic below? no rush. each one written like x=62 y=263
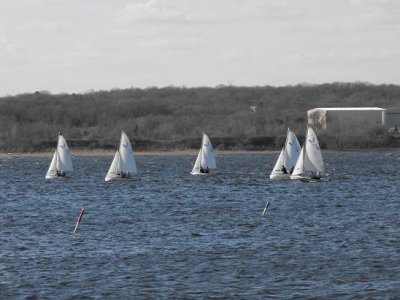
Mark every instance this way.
x=196 y=167
x=64 y=161
x=127 y=161
x=310 y=158
x=113 y=171
x=287 y=158
x=313 y=160
x=298 y=169
x=206 y=158
x=276 y=171
x=61 y=162
x=123 y=164
x=209 y=157
x=292 y=150
x=52 y=171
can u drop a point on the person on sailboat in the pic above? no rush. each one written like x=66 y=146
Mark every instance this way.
x=315 y=175
x=283 y=170
x=123 y=174
x=60 y=173
x=206 y=170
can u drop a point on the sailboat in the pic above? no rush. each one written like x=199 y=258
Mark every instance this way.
x=309 y=165
x=287 y=158
x=123 y=165
x=205 y=159
x=61 y=164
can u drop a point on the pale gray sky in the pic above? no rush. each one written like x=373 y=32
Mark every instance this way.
x=79 y=45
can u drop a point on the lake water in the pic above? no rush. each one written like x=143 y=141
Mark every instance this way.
x=172 y=235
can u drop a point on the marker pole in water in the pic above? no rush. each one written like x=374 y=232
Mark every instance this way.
x=265 y=208
x=79 y=219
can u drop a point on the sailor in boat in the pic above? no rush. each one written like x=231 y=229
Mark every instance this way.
x=283 y=170
x=206 y=170
x=316 y=176
x=125 y=174
x=60 y=173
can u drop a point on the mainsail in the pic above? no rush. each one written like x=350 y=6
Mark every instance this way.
x=64 y=156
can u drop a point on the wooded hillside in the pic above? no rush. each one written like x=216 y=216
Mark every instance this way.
x=174 y=118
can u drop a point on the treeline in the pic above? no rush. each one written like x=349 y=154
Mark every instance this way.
x=174 y=117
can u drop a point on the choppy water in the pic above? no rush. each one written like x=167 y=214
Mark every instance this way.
x=173 y=235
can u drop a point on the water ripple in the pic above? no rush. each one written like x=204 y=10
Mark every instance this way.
x=172 y=235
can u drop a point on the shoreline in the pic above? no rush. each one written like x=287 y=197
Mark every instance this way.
x=101 y=152
x=137 y=153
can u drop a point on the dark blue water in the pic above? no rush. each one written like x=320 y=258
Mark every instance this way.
x=173 y=235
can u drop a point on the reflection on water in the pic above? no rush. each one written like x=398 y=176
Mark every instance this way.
x=169 y=234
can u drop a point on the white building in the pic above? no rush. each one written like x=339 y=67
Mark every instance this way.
x=392 y=117
x=337 y=117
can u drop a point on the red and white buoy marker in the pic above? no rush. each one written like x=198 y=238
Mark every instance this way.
x=79 y=219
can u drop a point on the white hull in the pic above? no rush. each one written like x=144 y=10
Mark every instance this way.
x=279 y=176
x=199 y=173
x=57 y=177
x=304 y=178
x=120 y=179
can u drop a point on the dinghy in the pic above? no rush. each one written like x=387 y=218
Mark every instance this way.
x=205 y=159
x=61 y=164
x=287 y=158
x=309 y=165
x=123 y=165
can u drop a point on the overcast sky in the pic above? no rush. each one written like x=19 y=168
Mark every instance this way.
x=79 y=45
